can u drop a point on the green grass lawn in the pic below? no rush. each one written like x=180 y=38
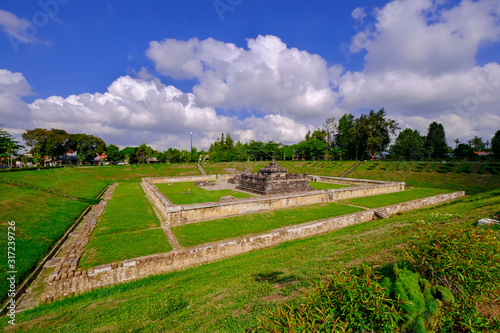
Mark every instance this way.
x=215 y=230
x=41 y=219
x=128 y=210
x=232 y=167
x=228 y=295
x=125 y=245
x=177 y=193
x=128 y=228
x=472 y=183
x=318 y=168
x=395 y=198
x=88 y=182
x=326 y=186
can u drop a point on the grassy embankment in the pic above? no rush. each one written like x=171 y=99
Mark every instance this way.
x=129 y=228
x=395 y=198
x=455 y=178
x=42 y=217
x=229 y=295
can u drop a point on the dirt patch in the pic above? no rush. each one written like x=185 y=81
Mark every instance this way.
x=489 y=309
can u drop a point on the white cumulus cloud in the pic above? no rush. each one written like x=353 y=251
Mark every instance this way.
x=268 y=76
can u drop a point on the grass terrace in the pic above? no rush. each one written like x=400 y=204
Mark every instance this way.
x=326 y=186
x=388 y=199
x=231 y=227
x=318 y=168
x=128 y=228
x=88 y=182
x=459 y=177
x=232 y=167
x=41 y=218
x=229 y=295
x=177 y=193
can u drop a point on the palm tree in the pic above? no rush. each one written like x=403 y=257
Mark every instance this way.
x=456 y=143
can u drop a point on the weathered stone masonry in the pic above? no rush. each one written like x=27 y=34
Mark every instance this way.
x=181 y=214
x=110 y=274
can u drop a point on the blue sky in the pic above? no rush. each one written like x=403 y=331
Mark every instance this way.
x=152 y=71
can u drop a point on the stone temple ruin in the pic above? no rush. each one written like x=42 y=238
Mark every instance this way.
x=272 y=179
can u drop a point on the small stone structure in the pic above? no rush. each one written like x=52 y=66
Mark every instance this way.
x=273 y=179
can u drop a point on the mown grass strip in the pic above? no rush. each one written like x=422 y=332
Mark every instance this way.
x=388 y=199
x=228 y=295
x=88 y=181
x=215 y=230
x=178 y=193
x=128 y=210
x=326 y=186
x=128 y=228
x=126 y=245
x=41 y=218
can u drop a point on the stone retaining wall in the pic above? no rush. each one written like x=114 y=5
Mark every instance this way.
x=110 y=274
x=182 y=214
x=420 y=203
x=107 y=275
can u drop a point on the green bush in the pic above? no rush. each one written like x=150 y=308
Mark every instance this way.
x=493 y=168
x=422 y=302
x=349 y=303
x=466 y=260
x=446 y=167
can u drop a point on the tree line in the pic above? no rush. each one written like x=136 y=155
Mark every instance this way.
x=350 y=138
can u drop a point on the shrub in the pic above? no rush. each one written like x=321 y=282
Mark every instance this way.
x=466 y=260
x=493 y=168
x=349 y=303
x=446 y=167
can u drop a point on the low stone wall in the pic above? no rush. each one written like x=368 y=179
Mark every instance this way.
x=345 y=181
x=106 y=275
x=363 y=191
x=101 y=276
x=419 y=203
x=182 y=214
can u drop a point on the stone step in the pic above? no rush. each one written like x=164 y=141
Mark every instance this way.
x=382 y=214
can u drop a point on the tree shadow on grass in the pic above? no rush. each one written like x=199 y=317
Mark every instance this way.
x=274 y=277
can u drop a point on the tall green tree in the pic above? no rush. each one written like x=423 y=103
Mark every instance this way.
x=113 y=153
x=435 y=141
x=8 y=145
x=464 y=151
x=495 y=145
x=409 y=144
x=330 y=126
x=373 y=131
x=344 y=142
x=477 y=143
x=87 y=147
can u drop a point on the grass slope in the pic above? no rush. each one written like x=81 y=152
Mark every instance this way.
x=472 y=183
x=41 y=219
x=228 y=295
x=232 y=167
x=318 y=168
x=88 y=182
x=388 y=199
x=215 y=230
x=128 y=228
x=177 y=193
x=326 y=186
